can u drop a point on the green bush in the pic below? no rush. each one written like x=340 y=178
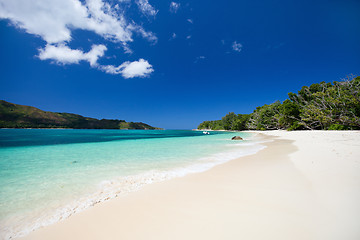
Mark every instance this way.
x=338 y=127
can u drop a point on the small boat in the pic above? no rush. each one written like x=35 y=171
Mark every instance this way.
x=206 y=132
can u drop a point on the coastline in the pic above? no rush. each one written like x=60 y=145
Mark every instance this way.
x=105 y=188
x=296 y=188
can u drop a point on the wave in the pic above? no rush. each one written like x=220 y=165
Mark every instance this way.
x=110 y=189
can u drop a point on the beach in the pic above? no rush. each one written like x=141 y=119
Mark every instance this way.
x=303 y=185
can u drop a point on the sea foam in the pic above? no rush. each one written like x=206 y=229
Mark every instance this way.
x=115 y=186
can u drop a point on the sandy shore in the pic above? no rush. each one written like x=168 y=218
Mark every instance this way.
x=304 y=185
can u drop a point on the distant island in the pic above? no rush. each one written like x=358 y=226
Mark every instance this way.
x=322 y=106
x=21 y=116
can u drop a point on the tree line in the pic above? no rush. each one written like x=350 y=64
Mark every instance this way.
x=321 y=106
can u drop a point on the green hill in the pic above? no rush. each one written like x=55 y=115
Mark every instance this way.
x=21 y=116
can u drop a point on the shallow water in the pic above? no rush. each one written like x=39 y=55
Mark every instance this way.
x=49 y=174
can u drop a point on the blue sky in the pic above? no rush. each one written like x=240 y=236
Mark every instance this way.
x=171 y=64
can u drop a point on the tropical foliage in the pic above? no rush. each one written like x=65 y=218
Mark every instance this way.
x=231 y=121
x=329 y=106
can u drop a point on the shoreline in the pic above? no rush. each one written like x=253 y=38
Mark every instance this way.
x=118 y=187
x=277 y=190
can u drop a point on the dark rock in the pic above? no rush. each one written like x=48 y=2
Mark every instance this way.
x=237 y=138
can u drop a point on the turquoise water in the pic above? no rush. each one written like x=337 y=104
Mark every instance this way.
x=47 y=175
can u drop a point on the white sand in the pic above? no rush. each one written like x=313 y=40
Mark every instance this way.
x=330 y=160
x=305 y=185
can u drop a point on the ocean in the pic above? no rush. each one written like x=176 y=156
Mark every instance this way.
x=47 y=175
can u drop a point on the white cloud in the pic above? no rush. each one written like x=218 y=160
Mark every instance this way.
x=62 y=54
x=140 y=68
x=174 y=7
x=199 y=58
x=173 y=36
x=146 y=8
x=148 y=35
x=237 y=46
x=53 y=21
x=190 y=21
x=188 y=37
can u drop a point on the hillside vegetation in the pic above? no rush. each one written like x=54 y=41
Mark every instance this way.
x=20 y=116
x=321 y=106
